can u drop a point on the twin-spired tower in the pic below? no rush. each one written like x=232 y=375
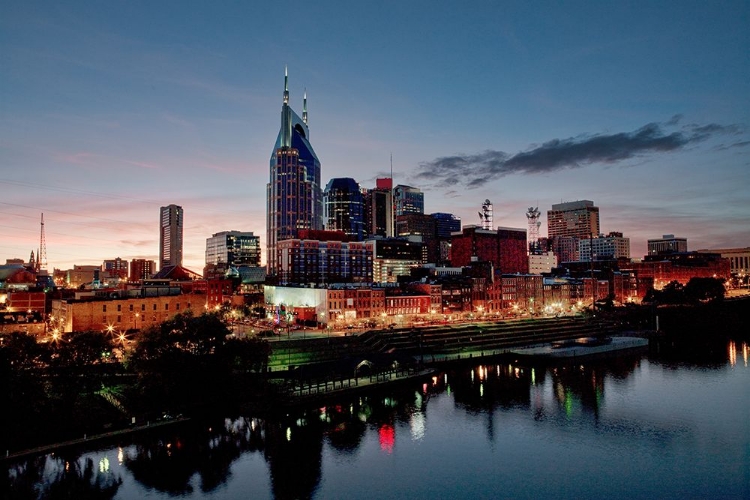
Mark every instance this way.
x=293 y=194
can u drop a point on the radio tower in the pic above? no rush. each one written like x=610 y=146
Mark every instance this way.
x=486 y=215
x=532 y=214
x=41 y=256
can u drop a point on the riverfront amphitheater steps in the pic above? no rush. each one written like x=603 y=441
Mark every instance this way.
x=437 y=342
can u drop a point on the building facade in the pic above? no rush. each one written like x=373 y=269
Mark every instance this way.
x=117 y=268
x=320 y=262
x=379 y=209
x=407 y=200
x=668 y=243
x=394 y=257
x=611 y=246
x=344 y=207
x=233 y=249
x=170 y=236
x=141 y=269
x=569 y=222
x=542 y=263
x=505 y=248
x=739 y=259
x=294 y=198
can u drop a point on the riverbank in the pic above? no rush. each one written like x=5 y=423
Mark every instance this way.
x=87 y=440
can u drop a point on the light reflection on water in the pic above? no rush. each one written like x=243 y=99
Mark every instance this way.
x=638 y=426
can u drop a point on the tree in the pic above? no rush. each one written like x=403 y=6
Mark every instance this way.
x=705 y=289
x=189 y=360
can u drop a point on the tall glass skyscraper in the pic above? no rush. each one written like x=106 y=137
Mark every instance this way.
x=170 y=236
x=344 y=207
x=293 y=194
x=407 y=200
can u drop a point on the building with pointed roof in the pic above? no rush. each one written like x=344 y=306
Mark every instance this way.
x=293 y=194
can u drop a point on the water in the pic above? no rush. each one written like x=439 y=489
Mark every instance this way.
x=668 y=424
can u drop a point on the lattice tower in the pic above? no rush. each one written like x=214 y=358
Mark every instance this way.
x=485 y=216
x=41 y=258
x=532 y=215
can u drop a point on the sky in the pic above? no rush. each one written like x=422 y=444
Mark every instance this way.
x=110 y=110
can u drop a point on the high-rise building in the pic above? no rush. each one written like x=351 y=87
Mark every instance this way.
x=420 y=227
x=142 y=269
x=233 y=249
x=569 y=222
x=611 y=246
x=170 y=237
x=667 y=244
x=293 y=194
x=445 y=224
x=379 y=209
x=407 y=200
x=344 y=207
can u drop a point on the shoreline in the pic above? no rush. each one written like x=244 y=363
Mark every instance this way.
x=50 y=448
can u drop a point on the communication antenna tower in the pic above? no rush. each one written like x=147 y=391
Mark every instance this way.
x=532 y=215
x=41 y=257
x=485 y=216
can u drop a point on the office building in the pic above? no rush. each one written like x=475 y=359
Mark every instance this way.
x=379 y=209
x=609 y=247
x=170 y=236
x=504 y=247
x=667 y=244
x=293 y=194
x=233 y=249
x=141 y=269
x=407 y=200
x=344 y=207
x=567 y=223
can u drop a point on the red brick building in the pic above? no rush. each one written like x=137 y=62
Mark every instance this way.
x=504 y=247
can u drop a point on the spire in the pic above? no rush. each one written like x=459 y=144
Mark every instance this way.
x=286 y=86
x=286 y=115
x=304 y=107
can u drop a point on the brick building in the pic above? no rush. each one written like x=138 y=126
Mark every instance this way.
x=504 y=247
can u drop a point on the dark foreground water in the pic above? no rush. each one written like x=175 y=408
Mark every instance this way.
x=673 y=423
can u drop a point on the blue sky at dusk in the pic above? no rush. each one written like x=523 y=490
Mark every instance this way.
x=109 y=110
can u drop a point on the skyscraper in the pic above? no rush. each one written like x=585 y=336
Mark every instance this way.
x=408 y=200
x=293 y=194
x=379 y=209
x=567 y=223
x=170 y=237
x=344 y=207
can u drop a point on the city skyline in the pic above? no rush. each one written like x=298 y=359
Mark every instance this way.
x=112 y=111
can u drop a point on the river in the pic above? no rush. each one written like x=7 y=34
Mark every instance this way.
x=670 y=423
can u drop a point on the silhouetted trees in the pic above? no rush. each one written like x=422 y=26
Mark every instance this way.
x=697 y=290
x=190 y=360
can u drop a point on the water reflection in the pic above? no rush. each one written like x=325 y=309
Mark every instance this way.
x=168 y=461
x=59 y=476
x=583 y=400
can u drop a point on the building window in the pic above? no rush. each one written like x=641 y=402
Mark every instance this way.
x=119 y=307
x=143 y=307
x=154 y=307
x=166 y=307
x=119 y=319
x=131 y=307
x=104 y=308
x=178 y=306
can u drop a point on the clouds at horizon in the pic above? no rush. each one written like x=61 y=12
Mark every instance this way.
x=475 y=170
